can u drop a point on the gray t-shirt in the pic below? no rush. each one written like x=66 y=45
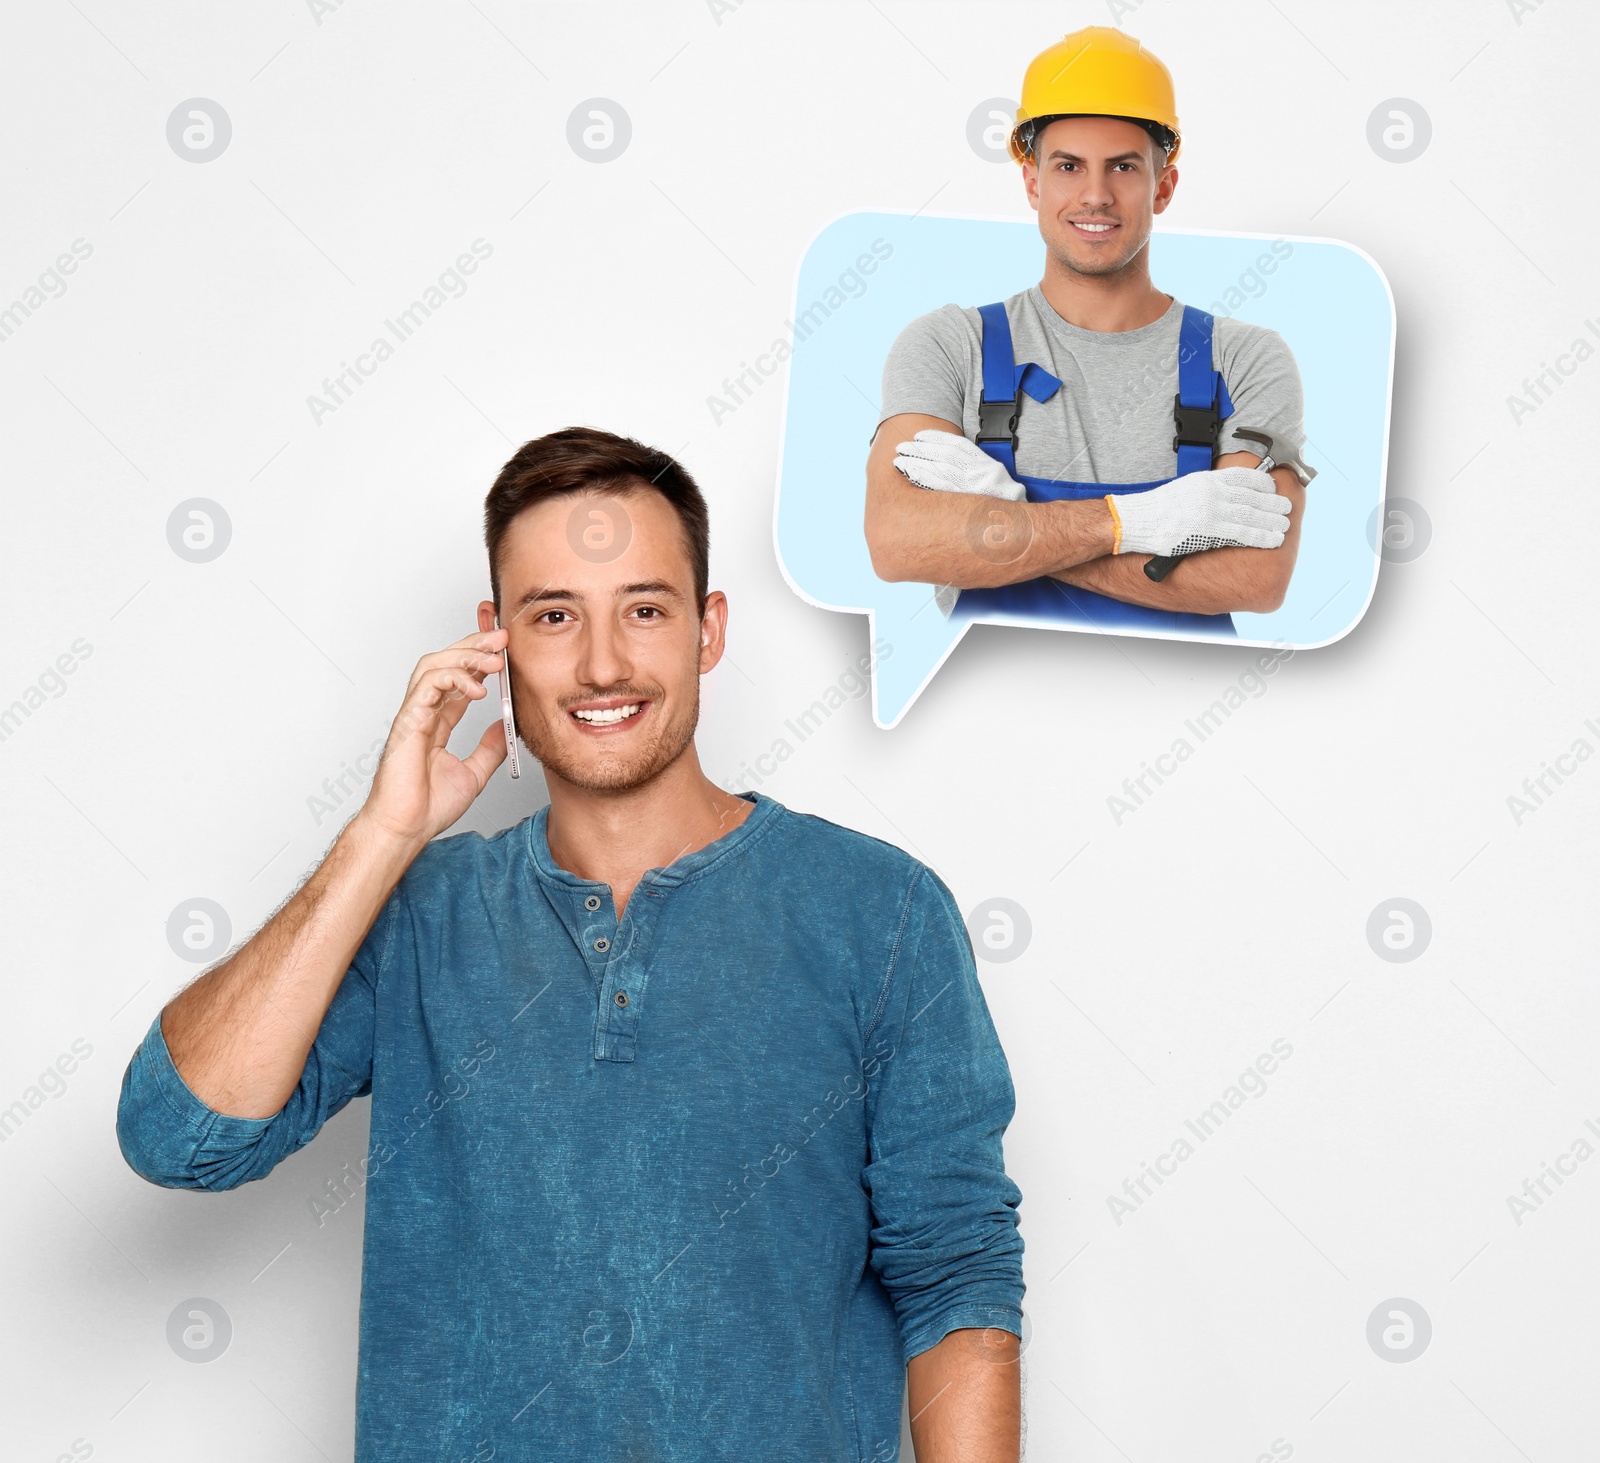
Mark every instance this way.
x=1112 y=421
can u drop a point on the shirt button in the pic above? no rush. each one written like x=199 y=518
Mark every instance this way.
x=622 y=998
x=592 y=902
x=602 y=944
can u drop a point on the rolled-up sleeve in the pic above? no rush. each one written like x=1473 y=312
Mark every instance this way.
x=172 y=1138
x=946 y=1242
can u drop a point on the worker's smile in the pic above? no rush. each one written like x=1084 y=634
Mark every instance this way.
x=609 y=715
x=1094 y=228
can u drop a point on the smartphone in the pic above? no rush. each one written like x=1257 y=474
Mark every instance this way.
x=507 y=719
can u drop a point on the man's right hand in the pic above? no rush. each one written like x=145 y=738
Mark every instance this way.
x=239 y=1035
x=422 y=787
x=1230 y=507
x=949 y=463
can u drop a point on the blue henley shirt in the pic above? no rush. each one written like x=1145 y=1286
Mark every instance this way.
x=693 y=1185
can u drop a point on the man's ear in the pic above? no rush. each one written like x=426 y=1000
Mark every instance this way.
x=713 y=630
x=1166 y=185
x=486 y=614
x=1030 y=183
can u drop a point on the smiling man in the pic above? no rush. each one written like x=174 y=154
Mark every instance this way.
x=687 y=1110
x=1092 y=423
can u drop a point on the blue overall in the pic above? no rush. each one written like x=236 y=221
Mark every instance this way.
x=1202 y=403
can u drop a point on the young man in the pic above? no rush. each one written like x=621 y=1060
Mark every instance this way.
x=686 y=1109
x=1110 y=407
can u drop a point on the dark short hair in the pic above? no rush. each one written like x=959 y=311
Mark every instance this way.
x=1163 y=137
x=579 y=460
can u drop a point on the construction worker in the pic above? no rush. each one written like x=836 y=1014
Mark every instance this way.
x=1086 y=426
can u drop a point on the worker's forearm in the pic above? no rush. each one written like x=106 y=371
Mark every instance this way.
x=965 y=1398
x=976 y=542
x=1214 y=582
x=239 y=1036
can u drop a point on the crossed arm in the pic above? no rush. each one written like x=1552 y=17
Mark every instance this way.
x=936 y=538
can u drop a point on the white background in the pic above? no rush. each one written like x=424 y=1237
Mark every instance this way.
x=369 y=150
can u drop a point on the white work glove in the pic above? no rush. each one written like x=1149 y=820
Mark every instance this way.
x=1230 y=507
x=949 y=463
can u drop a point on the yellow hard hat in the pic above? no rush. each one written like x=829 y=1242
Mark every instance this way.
x=1098 y=71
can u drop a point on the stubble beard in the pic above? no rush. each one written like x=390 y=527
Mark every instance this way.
x=603 y=770
x=1097 y=271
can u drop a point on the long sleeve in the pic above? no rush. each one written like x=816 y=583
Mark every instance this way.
x=172 y=1138
x=945 y=1240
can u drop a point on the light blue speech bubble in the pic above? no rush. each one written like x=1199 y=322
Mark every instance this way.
x=867 y=275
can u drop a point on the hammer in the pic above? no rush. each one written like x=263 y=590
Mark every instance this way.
x=1158 y=568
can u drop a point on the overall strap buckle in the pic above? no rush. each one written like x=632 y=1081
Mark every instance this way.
x=997 y=420
x=1198 y=426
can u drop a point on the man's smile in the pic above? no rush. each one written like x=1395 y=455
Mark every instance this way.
x=1094 y=228
x=606 y=714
